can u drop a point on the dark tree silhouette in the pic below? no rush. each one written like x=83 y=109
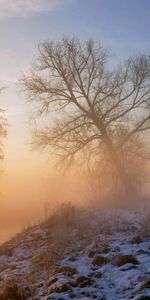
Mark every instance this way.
x=98 y=109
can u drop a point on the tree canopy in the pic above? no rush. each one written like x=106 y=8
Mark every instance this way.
x=98 y=109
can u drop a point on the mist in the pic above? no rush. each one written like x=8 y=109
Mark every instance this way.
x=24 y=192
x=74 y=149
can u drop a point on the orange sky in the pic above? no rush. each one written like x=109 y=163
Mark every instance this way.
x=25 y=181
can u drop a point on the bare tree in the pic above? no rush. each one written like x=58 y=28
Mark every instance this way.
x=97 y=110
x=3 y=130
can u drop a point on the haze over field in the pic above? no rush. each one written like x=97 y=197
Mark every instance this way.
x=29 y=178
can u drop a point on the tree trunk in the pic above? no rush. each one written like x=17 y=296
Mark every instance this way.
x=129 y=192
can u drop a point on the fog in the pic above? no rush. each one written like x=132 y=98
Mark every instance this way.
x=25 y=190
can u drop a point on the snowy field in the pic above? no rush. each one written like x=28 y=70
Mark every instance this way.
x=103 y=256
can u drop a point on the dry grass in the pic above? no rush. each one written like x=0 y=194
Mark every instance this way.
x=12 y=288
x=64 y=229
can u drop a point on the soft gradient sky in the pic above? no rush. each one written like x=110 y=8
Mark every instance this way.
x=121 y=25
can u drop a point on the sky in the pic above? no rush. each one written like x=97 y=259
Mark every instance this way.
x=122 y=26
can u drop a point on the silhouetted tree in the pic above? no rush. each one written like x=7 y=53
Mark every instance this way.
x=3 y=131
x=95 y=109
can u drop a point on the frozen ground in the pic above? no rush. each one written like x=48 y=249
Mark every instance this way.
x=106 y=257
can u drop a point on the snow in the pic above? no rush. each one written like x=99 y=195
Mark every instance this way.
x=107 y=281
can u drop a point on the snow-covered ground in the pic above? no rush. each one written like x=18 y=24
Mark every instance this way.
x=106 y=257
